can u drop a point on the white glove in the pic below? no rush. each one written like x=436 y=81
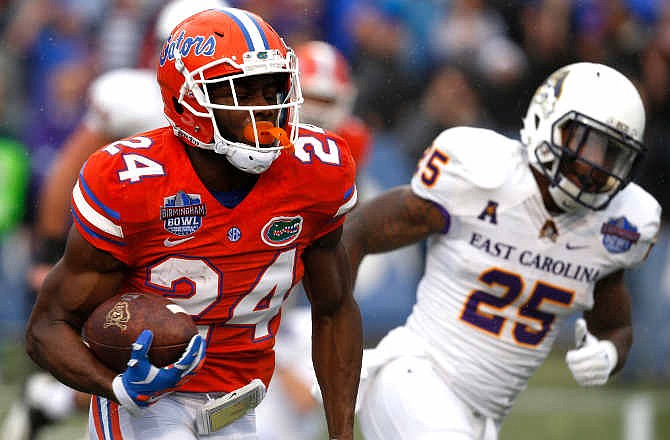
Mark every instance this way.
x=593 y=360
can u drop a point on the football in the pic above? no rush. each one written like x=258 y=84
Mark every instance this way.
x=115 y=324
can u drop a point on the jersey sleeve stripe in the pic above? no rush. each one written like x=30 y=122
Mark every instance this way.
x=92 y=216
x=97 y=418
x=110 y=212
x=446 y=215
x=90 y=231
x=352 y=194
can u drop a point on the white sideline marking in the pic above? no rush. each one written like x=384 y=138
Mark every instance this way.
x=638 y=417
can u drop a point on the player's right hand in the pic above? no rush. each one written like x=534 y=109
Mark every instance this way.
x=593 y=360
x=142 y=384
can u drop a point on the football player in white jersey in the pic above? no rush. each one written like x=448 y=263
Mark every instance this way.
x=520 y=236
x=121 y=102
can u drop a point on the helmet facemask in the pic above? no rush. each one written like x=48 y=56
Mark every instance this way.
x=262 y=141
x=587 y=162
x=583 y=130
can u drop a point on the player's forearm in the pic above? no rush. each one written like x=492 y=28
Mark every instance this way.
x=57 y=347
x=611 y=317
x=393 y=220
x=53 y=336
x=337 y=352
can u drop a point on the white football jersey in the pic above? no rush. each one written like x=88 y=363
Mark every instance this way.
x=500 y=281
x=124 y=102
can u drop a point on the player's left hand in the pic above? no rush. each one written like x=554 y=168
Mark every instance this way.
x=142 y=384
x=593 y=360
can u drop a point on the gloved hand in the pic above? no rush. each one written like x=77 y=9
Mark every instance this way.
x=593 y=360
x=142 y=384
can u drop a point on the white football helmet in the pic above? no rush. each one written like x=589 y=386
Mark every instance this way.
x=177 y=10
x=326 y=85
x=585 y=114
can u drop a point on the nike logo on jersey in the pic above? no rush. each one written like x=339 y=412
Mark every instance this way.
x=169 y=243
x=571 y=247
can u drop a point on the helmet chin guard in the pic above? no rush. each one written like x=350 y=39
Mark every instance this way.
x=245 y=159
x=562 y=195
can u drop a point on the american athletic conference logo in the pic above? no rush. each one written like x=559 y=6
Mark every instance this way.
x=619 y=235
x=182 y=213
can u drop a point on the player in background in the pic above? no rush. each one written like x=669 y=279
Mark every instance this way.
x=520 y=236
x=224 y=211
x=329 y=93
x=289 y=410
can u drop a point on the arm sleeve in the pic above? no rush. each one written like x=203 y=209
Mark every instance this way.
x=97 y=202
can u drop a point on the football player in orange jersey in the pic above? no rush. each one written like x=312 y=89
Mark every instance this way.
x=224 y=212
x=329 y=93
x=289 y=410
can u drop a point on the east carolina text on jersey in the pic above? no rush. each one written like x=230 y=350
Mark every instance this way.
x=140 y=200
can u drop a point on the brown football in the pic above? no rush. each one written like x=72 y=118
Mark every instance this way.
x=115 y=324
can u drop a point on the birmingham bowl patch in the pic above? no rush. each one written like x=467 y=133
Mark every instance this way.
x=280 y=231
x=619 y=235
x=182 y=213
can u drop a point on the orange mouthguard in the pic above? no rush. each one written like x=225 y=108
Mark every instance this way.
x=267 y=134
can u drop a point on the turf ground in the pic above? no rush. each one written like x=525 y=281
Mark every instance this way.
x=552 y=408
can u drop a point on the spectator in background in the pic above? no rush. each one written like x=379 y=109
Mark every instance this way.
x=545 y=31
x=436 y=110
x=463 y=31
x=500 y=69
x=121 y=32
x=14 y=175
x=300 y=20
x=49 y=39
x=387 y=80
x=650 y=357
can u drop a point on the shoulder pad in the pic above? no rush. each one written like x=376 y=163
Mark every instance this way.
x=467 y=166
x=482 y=157
x=639 y=208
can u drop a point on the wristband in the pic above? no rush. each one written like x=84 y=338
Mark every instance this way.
x=123 y=397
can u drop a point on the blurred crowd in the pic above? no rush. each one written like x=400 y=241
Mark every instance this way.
x=420 y=66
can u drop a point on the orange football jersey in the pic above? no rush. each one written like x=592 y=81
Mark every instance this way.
x=359 y=139
x=140 y=200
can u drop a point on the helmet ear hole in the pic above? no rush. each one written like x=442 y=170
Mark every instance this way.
x=177 y=106
x=537 y=121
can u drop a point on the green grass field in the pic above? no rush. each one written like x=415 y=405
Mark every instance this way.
x=552 y=408
x=555 y=408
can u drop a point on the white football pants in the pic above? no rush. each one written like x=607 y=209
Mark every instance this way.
x=171 y=418
x=407 y=400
